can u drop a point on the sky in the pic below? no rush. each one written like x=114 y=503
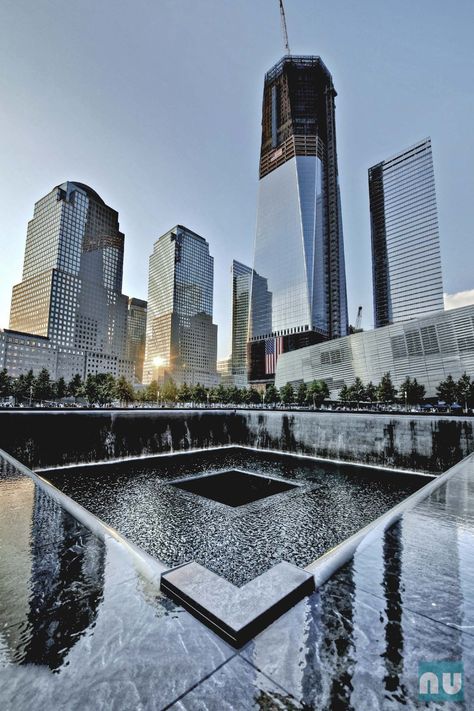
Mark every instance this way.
x=156 y=104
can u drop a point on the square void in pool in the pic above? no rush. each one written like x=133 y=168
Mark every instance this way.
x=234 y=487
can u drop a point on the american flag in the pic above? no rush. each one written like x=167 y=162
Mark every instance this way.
x=273 y=348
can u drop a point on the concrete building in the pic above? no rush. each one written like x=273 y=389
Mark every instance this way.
x=299 y=250
x=181 y=339
x=429 y=349
x=136 y=335
x=406 y=258
x=70 y=292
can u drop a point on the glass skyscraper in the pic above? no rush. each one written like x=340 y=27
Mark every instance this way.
x=241 y=288
x=136 y=334
x=181 y=340
x=71 y=288
x=299 y=285
x=406 y=258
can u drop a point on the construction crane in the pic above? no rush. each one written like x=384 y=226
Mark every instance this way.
x=283 y=28
x=358 y=325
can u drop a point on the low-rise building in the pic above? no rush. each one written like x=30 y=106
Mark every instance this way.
x=428 y=349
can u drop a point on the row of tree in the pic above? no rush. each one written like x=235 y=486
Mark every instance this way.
x=410 y=392
x=103 y=389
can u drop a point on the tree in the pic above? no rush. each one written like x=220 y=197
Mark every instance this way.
x=105 y=388
x=370 y=392
x=418 y=392
x=271 y=395
x=20 y=387
x=75 y=387
x=344 y=394
x=302 y=394
x=6 y=385
x=465 y=390
x=91 y=390
x=447 y=390
x=253 y=397
x=43 y=387
x=287 y=394
x=151 y=393
x=184 y=393
x=357 y=391
x=221 y=394
x=60 y=389
x=235 y=395
x=318 y=392
x=386 y=392
x=124 y=390
x=198 y=393
x=169 y=391
x=411 y=391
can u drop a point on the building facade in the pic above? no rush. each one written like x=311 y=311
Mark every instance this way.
x=70 y=291
x=181 y=339
x=428 y=349
x=241 y=289
x=406 y=258
x=300 y=294
x=136 y=335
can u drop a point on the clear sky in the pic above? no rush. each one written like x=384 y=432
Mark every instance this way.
x=156 y=105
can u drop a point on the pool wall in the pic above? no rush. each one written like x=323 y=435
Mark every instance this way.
x=42 y=439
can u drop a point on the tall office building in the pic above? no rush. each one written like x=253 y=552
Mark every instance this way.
x=181 y=340
x=406 y=259
x=241 y=288
x=136 y=335
x=70 y=292
x=299 y=249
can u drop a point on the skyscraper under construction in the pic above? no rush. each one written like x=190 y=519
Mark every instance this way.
x=299 y=249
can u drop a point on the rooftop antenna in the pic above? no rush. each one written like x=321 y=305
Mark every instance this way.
x=283 y=28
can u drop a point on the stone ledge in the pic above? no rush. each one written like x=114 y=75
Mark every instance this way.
x=237 y=614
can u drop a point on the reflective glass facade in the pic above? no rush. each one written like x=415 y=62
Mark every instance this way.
x=428 y=349
x=406 y=259
x=181 y=340
x=72 y=280
x=241 y=286
x=136 y=335
x=299 y=287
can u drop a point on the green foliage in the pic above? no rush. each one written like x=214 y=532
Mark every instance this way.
x=447 y=390
x=465 y=390
x=302 y=394
x=42 y=386
x=386 y=392
x=344 y=394
x=151 y=392
x=411 y=391
x=169 y=391
x=198 y=393
x=253 y=397
x=235 y=395
x=271 y=395
x=6 y=384
x=318 y=392
x=124 y=390
x=370 y=392
x=76 y=387
x=287 y=394
x=357 y=391
x=184 y=393
x=60 y=389
x=100 y=389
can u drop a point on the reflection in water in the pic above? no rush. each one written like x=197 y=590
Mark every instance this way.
x=67 y=580
x=393 y=655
